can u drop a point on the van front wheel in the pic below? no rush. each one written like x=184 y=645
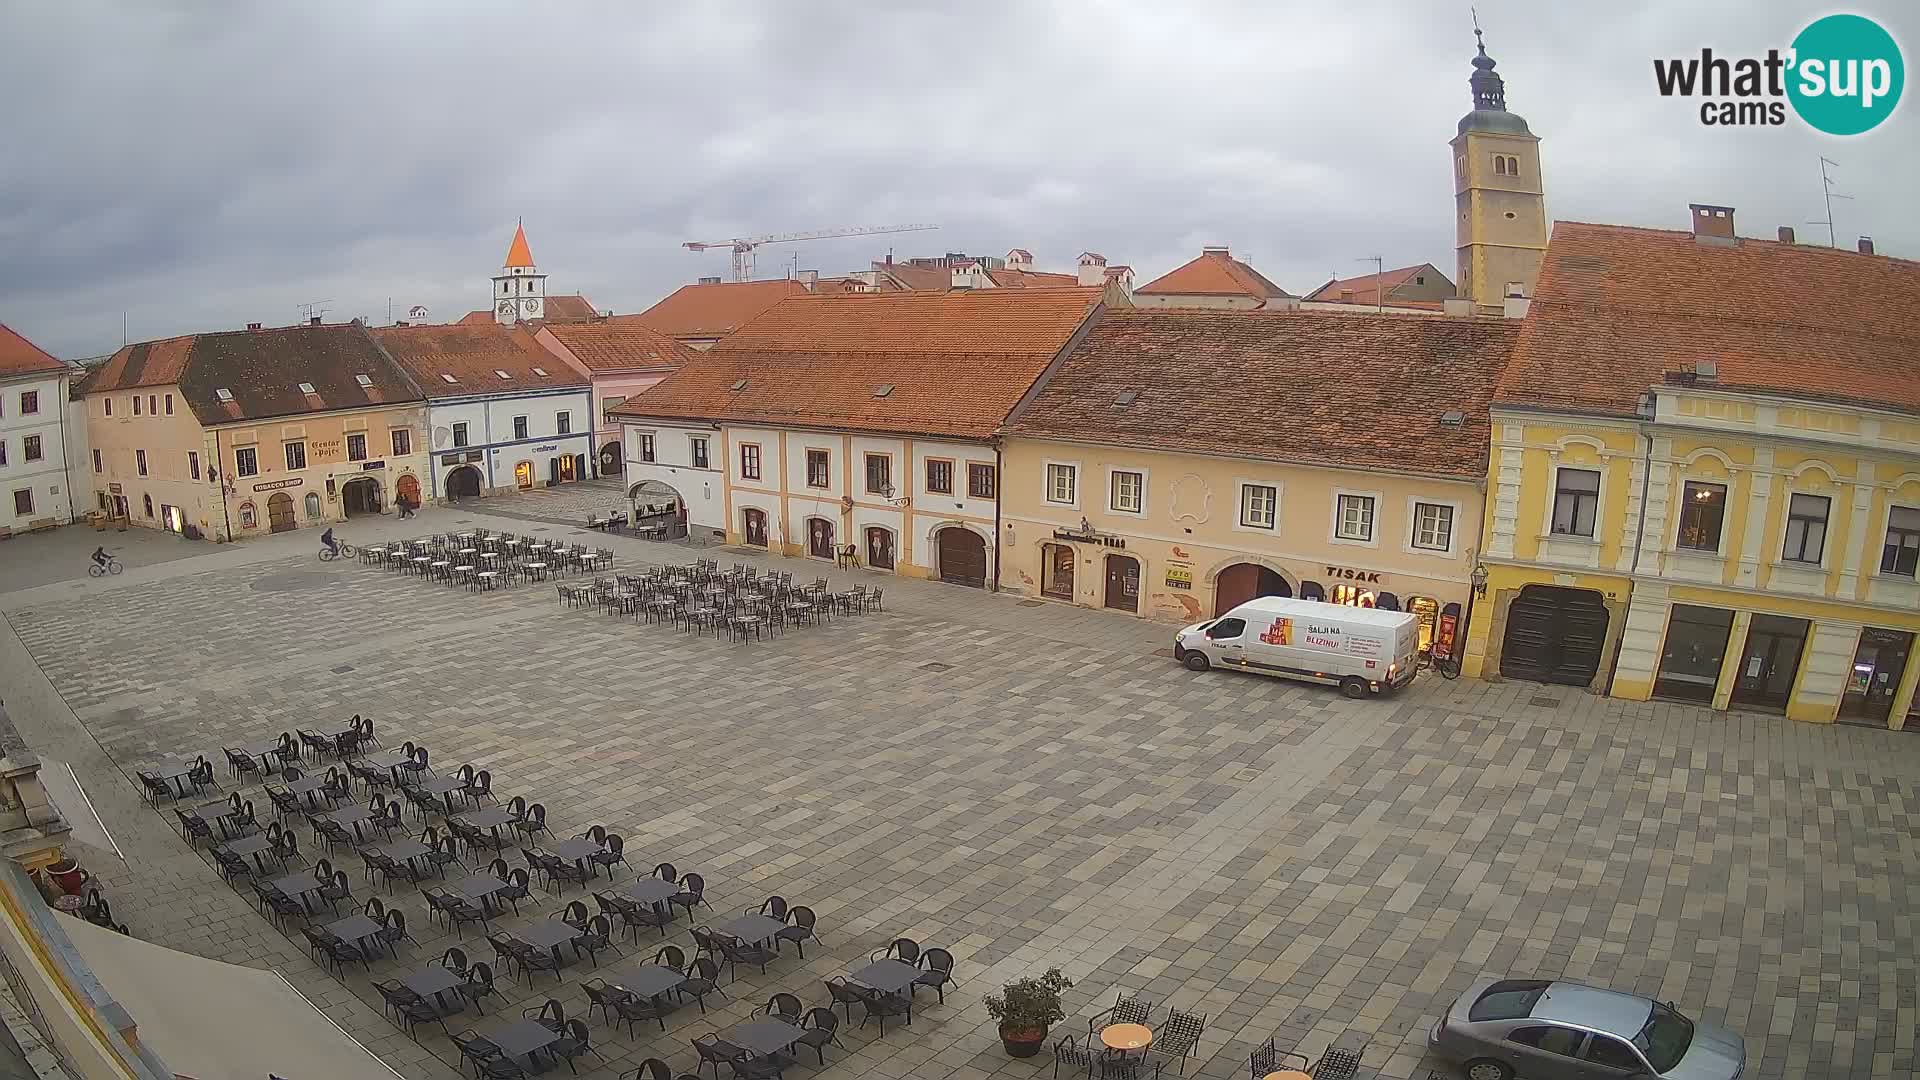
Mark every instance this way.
x=1196 y=660
x=1353 y=688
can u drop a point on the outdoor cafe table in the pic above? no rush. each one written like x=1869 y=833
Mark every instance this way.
x=301 y=885
x=650 y=890
x=648 y=980
x=350 y=815
x=753 y=928
x=523 y=1038
x=434 y=980
x=765 y=1036
x=261 y=750
x=1125 y=1037
x=403 y=851
x=173 y=772
x=353 y=928
x=548 y=935
x=443 y=786
x=577 y=851
x=249 y=845
x=306 y=786
x=478 y=888
x=887 y=976
x=490 y=818
x=219 y=811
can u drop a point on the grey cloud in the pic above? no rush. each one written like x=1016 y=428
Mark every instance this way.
x=202 y=166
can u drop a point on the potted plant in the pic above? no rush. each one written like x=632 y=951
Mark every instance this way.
x=1026 y=1008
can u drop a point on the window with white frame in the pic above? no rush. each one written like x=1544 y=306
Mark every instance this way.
x=1126 y=491
x=1432 y=526
x=1060 y=483
x=1576 y=502
x=699 y=449
x=1353 y=518
x=1259 y=505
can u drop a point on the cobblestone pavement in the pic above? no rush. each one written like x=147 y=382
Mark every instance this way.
x=1028 y=785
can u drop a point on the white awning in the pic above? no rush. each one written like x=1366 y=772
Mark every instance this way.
x=215 y=1021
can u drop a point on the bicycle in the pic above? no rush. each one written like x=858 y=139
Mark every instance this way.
x=347 y=551
x=1447 y=666
x=112 y=567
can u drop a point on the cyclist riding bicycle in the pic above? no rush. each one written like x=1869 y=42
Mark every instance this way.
x=327 y=541
x=101 y=558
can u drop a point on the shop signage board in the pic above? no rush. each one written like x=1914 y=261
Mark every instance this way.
x=1179 y=575
x=275 y=485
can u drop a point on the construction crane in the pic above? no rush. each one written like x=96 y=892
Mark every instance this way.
x=743 y=247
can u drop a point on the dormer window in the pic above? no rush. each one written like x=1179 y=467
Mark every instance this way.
x=306 y=388
x=501 y=373
x=540 y=371
x=739 y=385
x=223 y=394
x=448 y=378
x=363 y=380
x=884 y=391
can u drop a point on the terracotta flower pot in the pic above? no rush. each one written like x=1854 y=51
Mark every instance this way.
x=1022 y=1042
x=68 y=875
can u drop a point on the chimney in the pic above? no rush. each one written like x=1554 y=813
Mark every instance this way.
x=1516 y=303
x=313 y=320
x=1120 y=280
x=1713 y=224
x=709 y=281
x=253 y=326
x=1019 y=259
x=1786 y=234
x=963 y=276
x=1093 y=268
x=1215 y=251
x=1866 y=245
x=809 y=278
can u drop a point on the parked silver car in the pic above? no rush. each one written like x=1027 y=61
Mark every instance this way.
x=1544 y=1030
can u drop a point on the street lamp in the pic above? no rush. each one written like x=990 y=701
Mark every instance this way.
x=1479 y=579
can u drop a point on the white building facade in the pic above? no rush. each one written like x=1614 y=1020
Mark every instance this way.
x=510 y=441
x=35 y=438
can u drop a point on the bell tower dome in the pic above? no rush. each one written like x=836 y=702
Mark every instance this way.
x=519 y=289
x=1500 y=202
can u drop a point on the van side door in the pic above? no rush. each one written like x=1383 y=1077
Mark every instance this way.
x=1226 y=641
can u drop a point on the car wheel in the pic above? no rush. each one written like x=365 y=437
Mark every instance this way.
x=1196 y=660
x=1356 y=689
x=1486 y=1069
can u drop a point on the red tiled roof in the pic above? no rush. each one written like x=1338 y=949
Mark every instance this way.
x=957 y=361
x=144 y=363
x=1214 y=273
x=474 y=355
x=1617 y=307
x=1354 y=389
x=1366 y=288
x=716 y=310
x=620 y=343
x=1032 y=279
x=18 y=356
x=567 y=308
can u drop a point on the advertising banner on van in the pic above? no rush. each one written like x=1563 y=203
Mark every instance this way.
x=1310 y=634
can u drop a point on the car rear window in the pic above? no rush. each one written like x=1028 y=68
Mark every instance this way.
x=1509 y=1000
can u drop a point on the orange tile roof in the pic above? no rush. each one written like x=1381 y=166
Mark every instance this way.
x=262 y=371
x=1333 y=388
x=476 y=318
x=1214 y=273
x=620 y=343
x=716 y=310
x=144 y=363
x=518 y=253
x=1365 y=288
x=957 y=362
x=18 y=356
x=1617 y=307
x=1030 y=279
x=474 y=355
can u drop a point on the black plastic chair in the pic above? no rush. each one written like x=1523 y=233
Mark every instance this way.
x=822 y=1027
x=479 y=986
x=614 y=854
x=735 y=953
x=603 y=995
x=633 y=1009
x=716 y=1051
x=693 y=890
x=905 y=950
x=572 y=1044
x=1178 y=1035
x=782 y=1006
x=799 y=929
x=881 y=1005
x=703 y=978
x=939 y=965
x=773 y=907
x=844 y=994
x=1068 y=1052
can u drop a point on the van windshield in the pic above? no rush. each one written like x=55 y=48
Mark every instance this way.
x=1227 y=629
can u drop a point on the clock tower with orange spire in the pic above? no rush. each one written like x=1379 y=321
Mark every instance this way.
x=519 y=289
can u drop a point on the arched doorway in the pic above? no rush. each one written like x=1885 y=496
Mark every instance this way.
x=820 y=538
x=313 y=506
x=611 y=459
x=463 y=483
x=408 y=490
x=1554 y=635
x=1123 y=583
x=1056 y=571
x=280 y=512
x=753 y=526
x=523 y=475
x=879 y=547
x=360 y=496
x=963 y=557
x=1244 y=581
x=657 y=506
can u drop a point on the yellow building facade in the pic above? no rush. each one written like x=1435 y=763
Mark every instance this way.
x=1723 y=532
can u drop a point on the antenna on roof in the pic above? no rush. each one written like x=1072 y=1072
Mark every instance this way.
x=1379 y=287
x=312 y=310
x=1826 y=187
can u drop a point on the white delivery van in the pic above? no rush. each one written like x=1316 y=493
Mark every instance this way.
x=1360 y=650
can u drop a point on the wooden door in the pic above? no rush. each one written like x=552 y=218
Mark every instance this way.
x=820 y=538
x=1554 y=635
x=880 y=548
x=755 y=526
x=1123 y=583
x=280 y=512
x=963 y=558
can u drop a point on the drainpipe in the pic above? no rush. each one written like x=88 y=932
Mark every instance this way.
x=997 y=543
x=66 y=452
x=225 y=520
x=1646 y=410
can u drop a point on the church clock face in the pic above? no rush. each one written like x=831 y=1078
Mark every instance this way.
x=505 y=308
x=530 y=305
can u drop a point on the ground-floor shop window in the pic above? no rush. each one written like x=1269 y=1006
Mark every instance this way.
x=1695 y=650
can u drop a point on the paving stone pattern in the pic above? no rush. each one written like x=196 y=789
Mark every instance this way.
x=1286 y=861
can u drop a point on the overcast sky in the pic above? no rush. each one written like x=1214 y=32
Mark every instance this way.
x=198 y=166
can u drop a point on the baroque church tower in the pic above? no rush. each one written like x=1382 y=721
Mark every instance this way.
x=519 y=289
x=1501 y=228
